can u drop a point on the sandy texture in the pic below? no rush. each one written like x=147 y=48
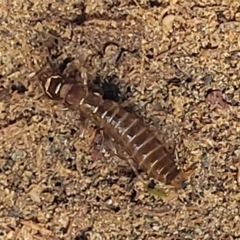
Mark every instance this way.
x=180 y=61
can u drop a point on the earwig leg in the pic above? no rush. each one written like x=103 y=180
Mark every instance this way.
x=78 y=140
x=131 y=163
x=120 y=154
x=85 y=125
x=125 y=104
x=110 y=144
x=83 y=77
x=107 y=141
x=97 y=145
x=100 y=142
x=87 y=81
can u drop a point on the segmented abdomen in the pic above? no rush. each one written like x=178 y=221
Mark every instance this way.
x=126 y=129
x=137 y=140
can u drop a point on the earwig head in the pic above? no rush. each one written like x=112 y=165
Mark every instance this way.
x=45 y=77
x=52 y=86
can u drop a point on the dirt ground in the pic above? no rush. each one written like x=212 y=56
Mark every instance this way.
x=176 y=62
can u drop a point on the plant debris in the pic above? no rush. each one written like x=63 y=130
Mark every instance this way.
x=216 y=98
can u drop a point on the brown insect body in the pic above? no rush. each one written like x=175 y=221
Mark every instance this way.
x=149 y=153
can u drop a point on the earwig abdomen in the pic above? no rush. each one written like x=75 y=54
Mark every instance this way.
x=137 y=140
x=149 y=154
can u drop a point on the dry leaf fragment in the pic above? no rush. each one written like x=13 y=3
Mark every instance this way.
x=35 y=192
x=214 y=97
x=168 y=22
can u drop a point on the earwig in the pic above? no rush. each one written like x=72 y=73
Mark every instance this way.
x=148 y=152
